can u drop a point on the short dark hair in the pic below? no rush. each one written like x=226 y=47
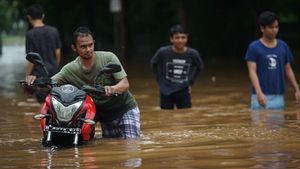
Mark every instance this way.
x=35 y=11
x=267 y=18
x=177 y=29
x=81 y=32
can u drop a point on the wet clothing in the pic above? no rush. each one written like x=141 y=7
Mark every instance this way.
x=127 y=126
x=43 y=40
x=273 y=102
x=270 y=64
x=176 y=71
x=181 y=99
x=108 y=108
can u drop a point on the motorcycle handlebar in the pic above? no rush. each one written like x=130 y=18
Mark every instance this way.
x=48 y=83
x=97 y=89
x=40 y=82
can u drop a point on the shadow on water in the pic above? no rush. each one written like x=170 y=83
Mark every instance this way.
x=218 y=132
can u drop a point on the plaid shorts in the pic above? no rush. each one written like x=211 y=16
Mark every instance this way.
x=127 y=126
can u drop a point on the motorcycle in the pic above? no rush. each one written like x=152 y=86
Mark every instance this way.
x=67 y=116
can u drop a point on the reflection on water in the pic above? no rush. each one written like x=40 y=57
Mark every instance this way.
x=270 y=118
x=275 y=157
x=218 y=132
x=12 y=64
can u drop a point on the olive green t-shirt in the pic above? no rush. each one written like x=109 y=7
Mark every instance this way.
x=108 y=107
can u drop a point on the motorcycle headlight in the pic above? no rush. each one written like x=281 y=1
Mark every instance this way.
x=65 y=113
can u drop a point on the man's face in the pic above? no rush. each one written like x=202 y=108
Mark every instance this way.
x=270 y=31
x=84 y=46
x=179 y=40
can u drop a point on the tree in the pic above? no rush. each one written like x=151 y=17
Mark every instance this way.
x=8 y=15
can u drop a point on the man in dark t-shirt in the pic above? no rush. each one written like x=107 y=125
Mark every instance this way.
x=176 y=68
x=42 y=39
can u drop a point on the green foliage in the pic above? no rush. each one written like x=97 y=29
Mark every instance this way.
x=218 y=28
x=8 y=13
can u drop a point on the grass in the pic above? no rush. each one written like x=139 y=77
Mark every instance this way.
x=13 y=40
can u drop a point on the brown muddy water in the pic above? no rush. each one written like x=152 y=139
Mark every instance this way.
x=218 y=132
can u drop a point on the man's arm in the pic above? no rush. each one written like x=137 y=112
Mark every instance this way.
x=29 y=48
x=199 y=65
x=291 y=76
x=58 y=55
x=29 y=68
x=255 y=82
x=120 y=87
x=154 y=65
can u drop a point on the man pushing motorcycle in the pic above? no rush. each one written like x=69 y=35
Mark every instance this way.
x=117 y=110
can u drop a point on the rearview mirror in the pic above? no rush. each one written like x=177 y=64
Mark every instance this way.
x=111 y=68
x=34 y=58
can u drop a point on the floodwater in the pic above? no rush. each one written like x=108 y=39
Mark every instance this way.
x=218 y=132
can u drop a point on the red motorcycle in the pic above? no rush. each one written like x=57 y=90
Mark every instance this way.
x=67 y=116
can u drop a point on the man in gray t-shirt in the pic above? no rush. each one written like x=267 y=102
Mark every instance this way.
x=117 y=110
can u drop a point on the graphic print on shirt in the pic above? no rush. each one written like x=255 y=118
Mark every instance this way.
x=272 y=61
x=177 y=70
